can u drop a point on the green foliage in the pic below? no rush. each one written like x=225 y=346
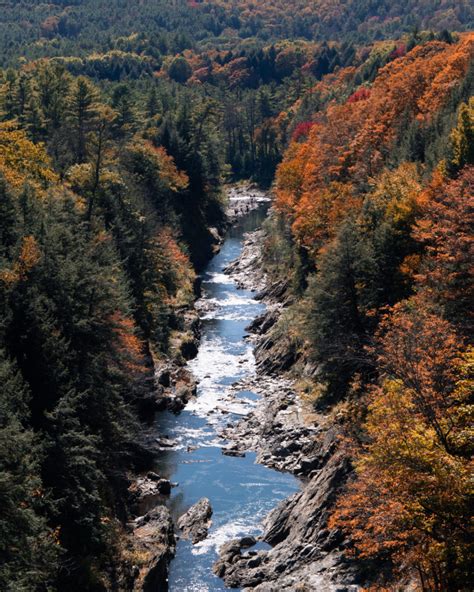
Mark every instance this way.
x=113 y=147
x=93 y=263
x=461 y=149
x=337 y=321
x=151 y=29
x=28 y=550
x=180 y=70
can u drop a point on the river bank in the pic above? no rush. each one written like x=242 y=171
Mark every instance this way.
x=287 y=435
x=194 y=467
x=240 y=420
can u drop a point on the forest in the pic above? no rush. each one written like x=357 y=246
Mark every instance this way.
x=378 y=198
x=121 y=125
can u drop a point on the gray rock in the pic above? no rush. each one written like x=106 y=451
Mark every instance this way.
x=306 y=554
x=254 y=562
x=154 y=543
x=232 y=452
x=247 y=541
x=164 y=377
x=195 y=523
x=166 y=442
x=189 y=349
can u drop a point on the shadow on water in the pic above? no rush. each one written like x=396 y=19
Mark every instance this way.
x=241 y=492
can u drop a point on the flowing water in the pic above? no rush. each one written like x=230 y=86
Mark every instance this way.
x=241 y=492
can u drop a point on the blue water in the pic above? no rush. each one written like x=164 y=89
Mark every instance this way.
x=241 y=492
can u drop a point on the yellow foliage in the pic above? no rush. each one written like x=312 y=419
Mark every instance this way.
x=398 y=191
x=162 y=164
x=21 y=160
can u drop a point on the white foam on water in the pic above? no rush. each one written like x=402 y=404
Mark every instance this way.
x=218 y=315
x=226 y=532
x=198 y=437
x=224 y=358
x=216 y=409
x=256 y=198
x=231 y=299
x=213 y=363
x=219 y=278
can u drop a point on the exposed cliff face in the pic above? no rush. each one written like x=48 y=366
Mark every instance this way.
x=305 y=554
x=154 y=544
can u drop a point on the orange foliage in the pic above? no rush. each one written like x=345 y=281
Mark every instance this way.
x=445 y=229
x=175 y=264
x=174 y=179
x=172 y=249
x=28 y=258
x=129 y=348
x=352 y=141
x=423 y=352
x=411 y=495
x=317 y=220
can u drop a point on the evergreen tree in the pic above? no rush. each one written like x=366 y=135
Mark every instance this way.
x=82 y=110
x=29 y=552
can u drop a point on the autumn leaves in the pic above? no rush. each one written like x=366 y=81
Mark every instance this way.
x=388 y=315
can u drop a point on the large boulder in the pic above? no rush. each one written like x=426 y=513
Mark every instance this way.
x=195 y=523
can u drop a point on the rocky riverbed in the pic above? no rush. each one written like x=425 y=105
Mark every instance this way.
x=243 y=199
x=295 y=550
x=305 y=555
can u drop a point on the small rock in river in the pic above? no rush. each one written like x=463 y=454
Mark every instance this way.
x=254 y=562
x=232 y=452
x=166 y=442
x=164 y=486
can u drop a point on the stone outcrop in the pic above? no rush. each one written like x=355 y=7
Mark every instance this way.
x=147 y=491
x=276 y=428
x=175 y=386
x=246 y=271
x=152 y=548
x=243 y=199
x=195 y=523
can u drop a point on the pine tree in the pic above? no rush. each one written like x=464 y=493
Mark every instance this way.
x=335 y=318
x=461 y=149
x=82 y=111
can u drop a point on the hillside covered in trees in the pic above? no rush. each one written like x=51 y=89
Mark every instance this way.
x=77 y=27
x=120 y=124
x=375 y=209
x=99 y=233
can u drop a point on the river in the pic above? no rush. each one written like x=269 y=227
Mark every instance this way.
x=241 y=492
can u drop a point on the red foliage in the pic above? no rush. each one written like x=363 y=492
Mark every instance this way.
x=302 y=130
x=361 y=94
x=399 y=51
